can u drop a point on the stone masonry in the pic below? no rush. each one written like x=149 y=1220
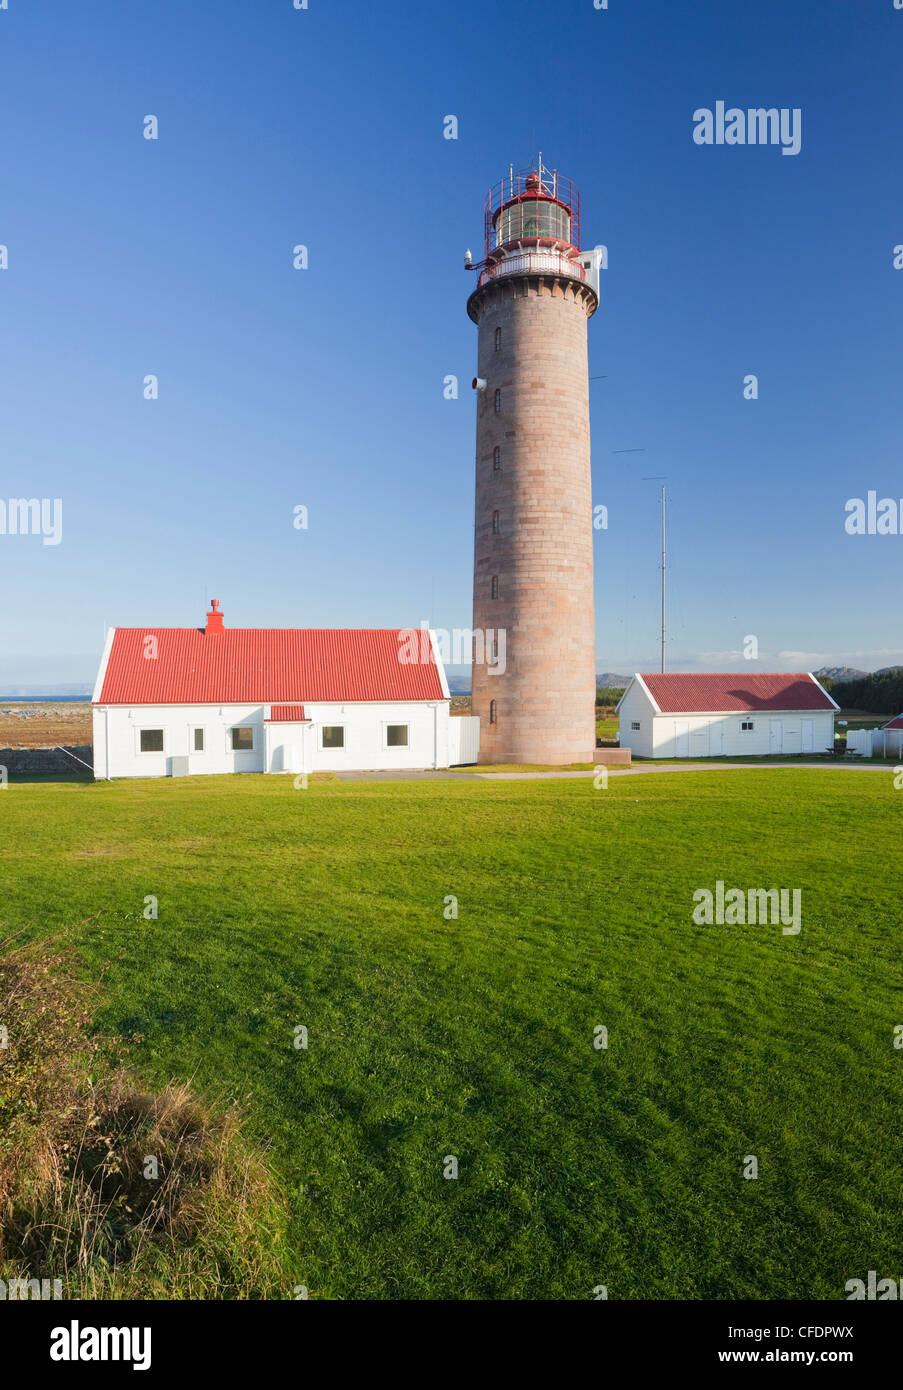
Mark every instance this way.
x=539 y=546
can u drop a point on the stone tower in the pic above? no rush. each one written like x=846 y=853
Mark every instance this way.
x=533 y=525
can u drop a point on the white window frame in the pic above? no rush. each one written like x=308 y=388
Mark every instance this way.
x=195 y=728
x=396 y=747
x=150 y=729
x=747 y=726
x=635 y=726
x=230 y=747
x=329 y=748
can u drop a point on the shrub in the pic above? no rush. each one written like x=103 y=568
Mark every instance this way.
x=121 y=1192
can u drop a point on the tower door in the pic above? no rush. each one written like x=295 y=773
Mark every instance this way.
x=776 y=736
x=681 y=738
x=716 y=741
x=807 y=731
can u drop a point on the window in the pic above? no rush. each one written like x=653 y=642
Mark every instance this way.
x=747 y=726
x=498 y=339
x=498 y=402
x=635 y=725
x=495 y=523
x=396 y=735
x=242 y=739
x=151 y=741
x=197 y=742
x=493 y=711
x=495 y=586
x=332 y=736
x=496 y=458
x=533 y=217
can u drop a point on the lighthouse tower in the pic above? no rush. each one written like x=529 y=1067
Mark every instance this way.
x=535 y=687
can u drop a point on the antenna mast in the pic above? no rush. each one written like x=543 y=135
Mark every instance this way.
x=663 y=577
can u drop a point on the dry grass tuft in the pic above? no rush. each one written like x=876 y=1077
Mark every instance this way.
x=119 y=1191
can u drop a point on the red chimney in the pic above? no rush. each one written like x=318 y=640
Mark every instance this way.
x=214 y=618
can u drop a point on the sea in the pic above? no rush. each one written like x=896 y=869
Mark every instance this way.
x=47 y=699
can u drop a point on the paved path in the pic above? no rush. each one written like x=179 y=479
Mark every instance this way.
x=643 y=769
x=638 y=770
x=427 y=774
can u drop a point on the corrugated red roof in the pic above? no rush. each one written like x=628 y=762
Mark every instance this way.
x=686 y=693
x=895 y=723
x=287 y=714
x=264 y=666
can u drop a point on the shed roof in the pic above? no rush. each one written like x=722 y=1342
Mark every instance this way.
x=726 y=693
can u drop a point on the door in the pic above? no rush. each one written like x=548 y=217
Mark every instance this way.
x=776 y=736
x=716 y=740
x=681 y=738
x=807 y=736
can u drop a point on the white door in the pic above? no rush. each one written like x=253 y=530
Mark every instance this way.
x=807 y=735
x=716 y=741
x=776 y=743
x=681 y=738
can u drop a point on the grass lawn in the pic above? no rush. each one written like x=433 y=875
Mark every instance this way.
x=474 y=1036
x=861 y=719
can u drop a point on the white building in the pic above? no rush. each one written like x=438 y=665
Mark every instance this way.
x=677 y=715
x=179 y=701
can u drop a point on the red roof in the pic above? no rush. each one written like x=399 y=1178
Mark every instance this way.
x=684 y=693
x=265 y=666
x=896 y=723
x=287 y=714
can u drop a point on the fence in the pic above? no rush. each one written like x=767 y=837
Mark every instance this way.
x=876 y=743
x=534 y=262
x=463 y=739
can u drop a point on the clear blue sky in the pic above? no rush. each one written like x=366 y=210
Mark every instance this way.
x=324 y=387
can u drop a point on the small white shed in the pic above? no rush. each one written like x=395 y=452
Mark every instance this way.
x=684 y=715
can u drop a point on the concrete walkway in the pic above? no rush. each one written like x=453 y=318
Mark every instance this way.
x=643 y=769
x=425 y=774
x=637 y=770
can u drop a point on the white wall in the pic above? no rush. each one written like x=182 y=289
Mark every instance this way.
x=702 y=742
x=636 y=707
x=116 y=752
x=116 y=738
x=365 y=736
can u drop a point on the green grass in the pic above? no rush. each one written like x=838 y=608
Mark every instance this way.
x=861 y=719
x=473 y=1037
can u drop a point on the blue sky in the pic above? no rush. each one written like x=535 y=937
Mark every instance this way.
x=323 y=387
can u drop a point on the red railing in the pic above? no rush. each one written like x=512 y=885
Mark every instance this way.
x=533 y=263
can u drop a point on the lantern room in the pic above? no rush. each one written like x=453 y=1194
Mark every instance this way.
x=535 y=213
x=532 y=226
x=537 y=205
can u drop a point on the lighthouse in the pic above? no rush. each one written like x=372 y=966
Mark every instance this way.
x=534 y=673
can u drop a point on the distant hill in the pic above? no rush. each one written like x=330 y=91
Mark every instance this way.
x=607 y=680
x=839 y=673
